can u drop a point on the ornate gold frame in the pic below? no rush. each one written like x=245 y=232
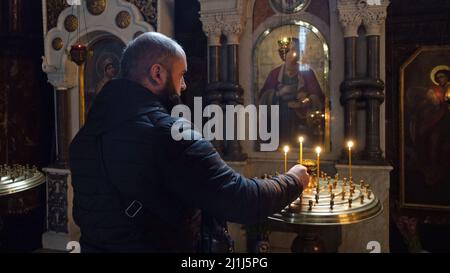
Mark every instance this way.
x=411 y=59
x=298 y=8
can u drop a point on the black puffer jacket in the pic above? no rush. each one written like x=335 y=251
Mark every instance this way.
x=125 y=156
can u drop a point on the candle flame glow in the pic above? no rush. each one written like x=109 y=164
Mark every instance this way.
x=350 y=144
x=318 y=150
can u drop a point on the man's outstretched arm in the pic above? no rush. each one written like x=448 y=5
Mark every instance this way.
x=197 y=173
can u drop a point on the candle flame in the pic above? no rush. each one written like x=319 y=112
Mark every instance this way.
x=318 y=150
x=301 y=139
x=350 y=144
x=286 y=149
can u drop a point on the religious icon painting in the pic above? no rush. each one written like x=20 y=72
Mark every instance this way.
x=291 y=70
x=425 y=129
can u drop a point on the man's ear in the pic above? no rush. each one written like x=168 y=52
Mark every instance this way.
x=156 y=74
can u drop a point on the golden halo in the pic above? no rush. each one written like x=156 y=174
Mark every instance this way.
x=435 y=70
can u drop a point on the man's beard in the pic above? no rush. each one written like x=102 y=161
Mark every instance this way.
x=170 y=98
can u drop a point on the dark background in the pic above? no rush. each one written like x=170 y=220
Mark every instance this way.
x=26 y=112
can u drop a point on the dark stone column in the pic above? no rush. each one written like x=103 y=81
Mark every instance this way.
x=214 y=63
x=213 y=90
x=232 y=63
x=349 y=98
x=373 y=56
x=350 y=58
x=232 y=95
x=61 y=127
x=350 y=92
x=374 y=96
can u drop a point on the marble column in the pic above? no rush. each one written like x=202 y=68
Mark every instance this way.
x=350 y=92
x=367 y=90
x=213 y=94
x=60 y=227
x=232 y=91
x=350 y=89
x=373 y=94
x=62 y=126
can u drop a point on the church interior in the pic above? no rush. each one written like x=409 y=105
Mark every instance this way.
x=362 y=88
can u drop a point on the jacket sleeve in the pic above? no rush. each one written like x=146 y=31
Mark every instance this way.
x=197 y=174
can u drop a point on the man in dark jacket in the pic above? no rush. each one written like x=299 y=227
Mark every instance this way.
x=136 y=189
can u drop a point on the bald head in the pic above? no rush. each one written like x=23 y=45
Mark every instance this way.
x=147 y=50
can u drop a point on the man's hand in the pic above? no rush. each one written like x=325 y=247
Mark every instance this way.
x=300 y=172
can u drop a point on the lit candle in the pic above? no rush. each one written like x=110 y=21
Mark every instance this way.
x=300 y=139
x=286 y=150
x=318 y=150
x=350 y=145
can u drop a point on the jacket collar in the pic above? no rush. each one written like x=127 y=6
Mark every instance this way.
x=118 y=101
